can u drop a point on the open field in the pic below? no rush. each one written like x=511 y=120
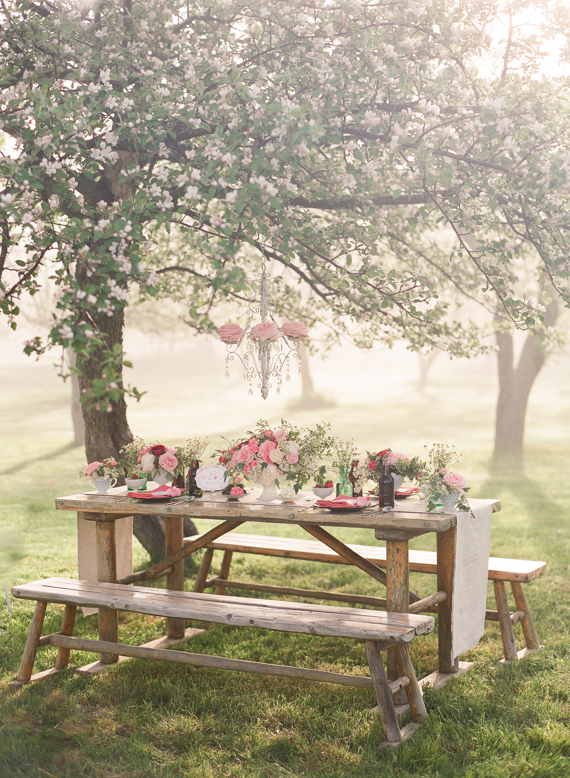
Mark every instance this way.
x=149 y=719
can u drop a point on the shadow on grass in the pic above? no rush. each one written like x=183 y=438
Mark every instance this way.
x=24 y=463
x=508 y=474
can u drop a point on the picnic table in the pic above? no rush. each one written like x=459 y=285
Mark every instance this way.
x=397 y=528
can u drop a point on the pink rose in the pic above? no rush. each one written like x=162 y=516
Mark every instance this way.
x=147 y=462
x=295 y=329
x=246 y=470
x=362 y=501
x=292 y=458
x=265 y=448
x=280 y=434
x=394 y=456
x=91 y=468
x=143 y=452
x=236 y=490
x=238 y=479
x=442 y=470
x=455 y=481
x=267 y=330
x=244 y=454
x=230 y=333
x=234 y=461
x=168 y=462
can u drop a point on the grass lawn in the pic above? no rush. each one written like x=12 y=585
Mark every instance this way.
x=147 y=718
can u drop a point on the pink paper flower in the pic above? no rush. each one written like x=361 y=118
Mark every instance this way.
x=168 y=462
x=267 y=330
x=230 y=333
x=455 y=481
x=295 y=329
x=91 y=468
x=265 y=448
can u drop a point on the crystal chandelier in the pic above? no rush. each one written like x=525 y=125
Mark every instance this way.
x=268 y=346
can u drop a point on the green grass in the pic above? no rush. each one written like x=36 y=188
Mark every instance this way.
x=143 y=719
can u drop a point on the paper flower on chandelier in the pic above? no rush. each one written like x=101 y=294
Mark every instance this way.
x=295 y=329
x=266 y=330
x=231 y=333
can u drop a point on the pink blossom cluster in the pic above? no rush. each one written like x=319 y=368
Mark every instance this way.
x=456 y=482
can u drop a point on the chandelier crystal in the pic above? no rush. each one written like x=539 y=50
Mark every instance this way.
x=268 y=346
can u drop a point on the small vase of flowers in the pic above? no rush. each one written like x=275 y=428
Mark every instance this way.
x=401 y=467
x=442 y=486
x=103 y=475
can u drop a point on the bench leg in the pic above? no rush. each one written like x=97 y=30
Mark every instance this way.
x=32 y=641
x=413 y=691
x=203 y=570
x=225 y=570
x=530 y=636
x=62 y=659
x=505 y=622
x=383 y=693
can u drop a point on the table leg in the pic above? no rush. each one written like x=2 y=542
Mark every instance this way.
x=107 y=572
x=397 y=599
x=174 y=539
x=445 y=576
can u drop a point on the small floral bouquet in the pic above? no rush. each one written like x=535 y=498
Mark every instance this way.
x=129 y=462
x=193 y=449
x=153 y=459
x=399 y=464
x=107 y=468
x=438 y=481
x=286 y=453
x=343 y=453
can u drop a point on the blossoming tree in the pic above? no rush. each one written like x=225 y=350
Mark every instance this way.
x=334 y=139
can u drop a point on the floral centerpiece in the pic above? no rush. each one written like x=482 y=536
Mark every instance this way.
x=267 y=456
x=158 y=462
x=129 y=462
x=440 y=483
x=400 y=464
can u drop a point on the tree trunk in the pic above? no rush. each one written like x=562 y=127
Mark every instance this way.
x=76 y=410
x=426 y=361
x=106 y=432
x=515 y=384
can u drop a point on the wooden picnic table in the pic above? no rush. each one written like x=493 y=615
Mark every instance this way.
x=396 y=528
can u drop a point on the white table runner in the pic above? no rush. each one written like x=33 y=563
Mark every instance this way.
x=471 y=570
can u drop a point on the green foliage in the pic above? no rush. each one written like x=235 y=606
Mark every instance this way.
x=336 y=140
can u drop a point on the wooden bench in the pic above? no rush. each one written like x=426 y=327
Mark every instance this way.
x=377 y=629
x=516 y=571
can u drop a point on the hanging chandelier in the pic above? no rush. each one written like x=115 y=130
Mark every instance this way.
x=268 y=346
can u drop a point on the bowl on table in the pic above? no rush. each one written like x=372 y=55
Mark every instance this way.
x=322 y=492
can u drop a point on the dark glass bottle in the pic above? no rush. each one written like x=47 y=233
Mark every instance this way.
x=356 y=492
x=193 y=489
x=386 y=487
x=179 y=481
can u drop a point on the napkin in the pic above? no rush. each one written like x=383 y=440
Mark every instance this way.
x=160 y=491
x=343 y=501
x=403 y=491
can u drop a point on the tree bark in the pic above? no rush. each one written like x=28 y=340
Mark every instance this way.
x=515 y=384
x=76 y=410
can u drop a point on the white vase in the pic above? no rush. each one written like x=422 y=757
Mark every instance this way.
x=160 y=477
x=103 y=484
x=398 y=481
x=134 y=483
x=449 y=501
x=269 y=492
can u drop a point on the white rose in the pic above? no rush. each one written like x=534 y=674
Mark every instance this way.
x=276 y=455
x=147 y=462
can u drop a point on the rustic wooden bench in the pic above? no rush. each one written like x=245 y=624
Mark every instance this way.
x=516 y=571
x=377 y=629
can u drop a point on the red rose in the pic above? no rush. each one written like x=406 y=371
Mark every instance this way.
x=372 y=465
x=158 y=451
x=382 y=453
